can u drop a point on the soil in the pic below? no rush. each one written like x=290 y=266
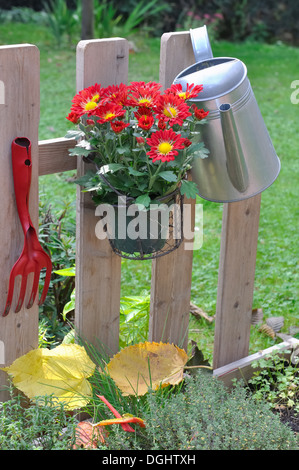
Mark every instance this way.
x=289 y=417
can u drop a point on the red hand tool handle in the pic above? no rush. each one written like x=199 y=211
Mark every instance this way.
x=22 y=169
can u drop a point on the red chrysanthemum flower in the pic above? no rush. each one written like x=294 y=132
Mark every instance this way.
x=161 y=124
x=108 y=112
x=144 y=117
x=199 y=113
x=164 y=145
x=190 y=92
x=140 y=140
x=118 y=126
x=87 y=100
x=117 y=94
x=144 y=94
x=173 y=109
x=187 y=143
x=73 y=117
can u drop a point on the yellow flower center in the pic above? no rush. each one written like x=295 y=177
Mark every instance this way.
x=109 y=115
x=95 y=97
x=165 y=148
x=90 y=105
x=144 y=101
x=183 y=95
x=170 y=112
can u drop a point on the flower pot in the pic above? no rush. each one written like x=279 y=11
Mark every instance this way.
x=141 y=233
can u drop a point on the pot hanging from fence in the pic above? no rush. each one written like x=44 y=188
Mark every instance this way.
x=242 y=160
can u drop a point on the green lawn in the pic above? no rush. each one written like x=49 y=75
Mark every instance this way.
x=271 y=69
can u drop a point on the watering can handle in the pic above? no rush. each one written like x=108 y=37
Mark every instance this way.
x=201 y=44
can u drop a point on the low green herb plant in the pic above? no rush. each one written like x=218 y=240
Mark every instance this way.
x=205 y=415
x=32 y=426
x=276 y=380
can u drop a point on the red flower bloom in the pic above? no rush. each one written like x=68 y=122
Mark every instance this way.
x=73 y=117
x=187 y=143
x=108 y=112
x=164 y=145
x=145 y=118
x=173 y=109
x=144 y=94
x=117 y=94
x=118 y=126
x=161 y=124
x=87 y=100
x=199 y=113
x=191 y=91
x=140 y=140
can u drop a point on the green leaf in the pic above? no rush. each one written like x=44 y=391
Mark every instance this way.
x=111 y=167
x=144 y=199
x=189 y=189
x=123 y=150
x=73 y=134
x=81 y=151
x=168 y=176
x=66 y=271
x=198 y=150
x=134 y=172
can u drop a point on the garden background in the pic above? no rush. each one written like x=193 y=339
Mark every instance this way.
x=262 y=34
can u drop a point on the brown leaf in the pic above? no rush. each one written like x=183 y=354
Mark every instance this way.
x=87 y=435
x=267 y=330
x=146 y=365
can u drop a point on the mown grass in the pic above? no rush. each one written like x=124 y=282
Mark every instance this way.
x=271 y=69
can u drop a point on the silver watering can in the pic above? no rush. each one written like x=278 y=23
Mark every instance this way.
x=242 y=161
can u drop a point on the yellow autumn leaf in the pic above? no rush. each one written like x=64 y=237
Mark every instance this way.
x=61 y=372
x=146 y=365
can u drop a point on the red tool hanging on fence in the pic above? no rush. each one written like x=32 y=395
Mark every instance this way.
x=33 y=258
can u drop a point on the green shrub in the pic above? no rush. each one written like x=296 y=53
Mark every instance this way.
x=206 y=416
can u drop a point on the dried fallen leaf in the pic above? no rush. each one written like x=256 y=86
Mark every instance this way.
x=146 y=365
x=61 y=372
x=267 y=330
x=88 y=436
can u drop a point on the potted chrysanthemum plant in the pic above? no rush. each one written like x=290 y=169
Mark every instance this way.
x=142 y=143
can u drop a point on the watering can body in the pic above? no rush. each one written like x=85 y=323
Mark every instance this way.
x=242 y=161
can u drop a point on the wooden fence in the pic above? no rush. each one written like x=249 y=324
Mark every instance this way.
x=98 y=269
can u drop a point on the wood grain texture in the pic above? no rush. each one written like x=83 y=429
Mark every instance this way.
x=172 y=274
x=19 y=117
x=98 y=268
x=236 y=280
x=54 y=157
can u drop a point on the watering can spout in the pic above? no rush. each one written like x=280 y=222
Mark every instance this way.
x=235 y=160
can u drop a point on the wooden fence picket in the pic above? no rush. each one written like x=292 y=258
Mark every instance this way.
x=98 y=268
x=19 y=114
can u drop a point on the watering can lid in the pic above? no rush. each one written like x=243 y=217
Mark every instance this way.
x=218 y=76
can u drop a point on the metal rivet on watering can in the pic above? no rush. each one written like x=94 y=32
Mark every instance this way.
x=242 y=161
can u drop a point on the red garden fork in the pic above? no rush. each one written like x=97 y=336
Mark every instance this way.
x=33 y=258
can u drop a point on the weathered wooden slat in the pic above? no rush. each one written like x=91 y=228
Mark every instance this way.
x=19 y=117
x=54 y=156
x=171 y=274
x=236 y=280
x=242 y=369
x=98 y=269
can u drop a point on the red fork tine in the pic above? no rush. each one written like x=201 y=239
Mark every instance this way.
x=47 y=279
